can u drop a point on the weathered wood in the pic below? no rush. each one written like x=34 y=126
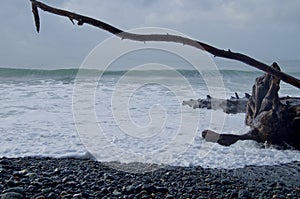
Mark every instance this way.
x=164 y=38
x=36 y=16
x=233 y=105
x=228 y=139
x=273 y=120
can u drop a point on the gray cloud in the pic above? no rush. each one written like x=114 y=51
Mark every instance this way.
x=265 y=29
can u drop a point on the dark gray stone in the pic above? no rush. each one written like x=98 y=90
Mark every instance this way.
x=19 y=190
x=5 y=161
x=52 y=195
x=117 y=193
x=12 y=195
x=245 y=194
x=169 y=196
x=10 y=183
x=234 y=194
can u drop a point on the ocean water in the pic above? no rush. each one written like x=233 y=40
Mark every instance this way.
x=39 y=116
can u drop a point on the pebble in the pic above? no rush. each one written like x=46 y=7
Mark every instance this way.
x=169 y=196
x=23 y=172
x=234 y=194
x=31 y=175
x=40 y=197
x=149 y=188
x=5 y=161
x=12 y=195
x=117 y=193
x=130 y=189
x=52 y=195
x=77 y=195
x=10 y=183
x=162 y=189
x=67 y=196
x=245 y=194
x=18 y=190
x=63 y=193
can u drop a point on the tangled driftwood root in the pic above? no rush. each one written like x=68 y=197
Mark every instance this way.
x=272 y=119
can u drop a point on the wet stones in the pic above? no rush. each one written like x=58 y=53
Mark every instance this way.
x=91 y=179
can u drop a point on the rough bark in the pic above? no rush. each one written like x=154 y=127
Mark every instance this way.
x=233 y=105
x=164 y=38
x=273 y=120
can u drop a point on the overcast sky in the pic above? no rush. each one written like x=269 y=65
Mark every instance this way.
x=264 y=29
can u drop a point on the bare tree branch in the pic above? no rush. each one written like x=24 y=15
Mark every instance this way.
x=164 y=38
x=36 y=16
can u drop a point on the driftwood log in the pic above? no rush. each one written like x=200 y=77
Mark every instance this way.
x=233 y=105
x=269 y=119
x=273 y=120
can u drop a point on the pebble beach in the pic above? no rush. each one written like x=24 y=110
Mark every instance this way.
x=131 y=105
x=54 y=178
